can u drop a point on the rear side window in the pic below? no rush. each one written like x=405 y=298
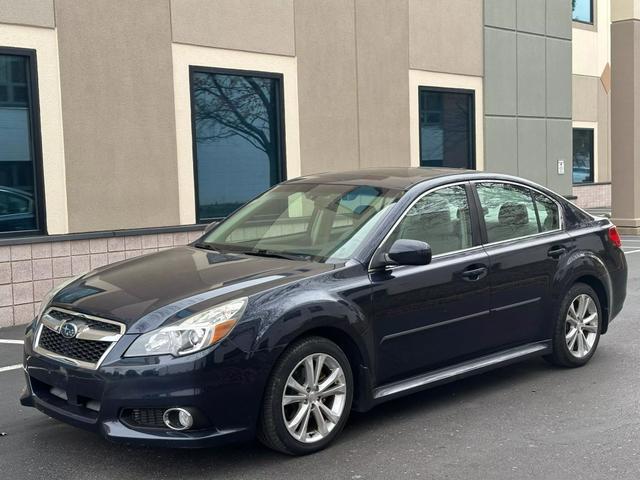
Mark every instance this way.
x=440 y=218
x=512 y=211
x=547 y=212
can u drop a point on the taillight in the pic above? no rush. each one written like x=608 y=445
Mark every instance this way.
x=614 y=236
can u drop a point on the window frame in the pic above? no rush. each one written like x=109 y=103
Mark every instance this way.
x=476 y=237
x=592 y=174
x=471 y=117
x=593 y=15
x=530 y=189
x=193 y=69
x=35 y=137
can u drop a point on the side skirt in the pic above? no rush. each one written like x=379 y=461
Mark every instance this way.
x=461 y=370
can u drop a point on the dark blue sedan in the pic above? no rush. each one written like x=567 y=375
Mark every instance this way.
x=325 y=294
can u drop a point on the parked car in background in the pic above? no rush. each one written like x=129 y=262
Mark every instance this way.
x=325 y=294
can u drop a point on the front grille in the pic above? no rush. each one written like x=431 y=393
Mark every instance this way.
x=90 y=322
x=89 y=351
x=143 y=417
x=92 y=339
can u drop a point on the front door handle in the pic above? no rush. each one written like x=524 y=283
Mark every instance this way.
x=475 y=273
x=557 y=251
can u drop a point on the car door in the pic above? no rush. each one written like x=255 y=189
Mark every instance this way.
x=431 y=315
x=523 y=236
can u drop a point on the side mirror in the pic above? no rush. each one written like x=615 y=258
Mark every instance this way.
x=405 y=252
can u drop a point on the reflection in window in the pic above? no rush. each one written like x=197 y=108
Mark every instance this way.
x=446 y=128
x=17 y=163
x=547 y=212
x=582 y=11
x=441 y=219
x=237 y=130
x=324 y=222
x=582 y=155
x=509 y=211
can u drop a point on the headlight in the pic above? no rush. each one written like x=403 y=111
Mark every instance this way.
x=192 y=334
x=44 y=304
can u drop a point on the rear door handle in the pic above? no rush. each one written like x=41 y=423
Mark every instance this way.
x=557 y=251
x=475 y=273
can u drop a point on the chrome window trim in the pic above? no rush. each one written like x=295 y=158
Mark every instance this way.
x=404 y=214
x=515 y=239
x=49 y=322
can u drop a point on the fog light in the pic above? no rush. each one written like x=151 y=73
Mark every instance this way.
x=177 y=419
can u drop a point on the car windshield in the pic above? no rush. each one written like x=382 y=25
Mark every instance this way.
x=324 y=223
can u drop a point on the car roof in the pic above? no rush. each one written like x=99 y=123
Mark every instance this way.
x=399 y=178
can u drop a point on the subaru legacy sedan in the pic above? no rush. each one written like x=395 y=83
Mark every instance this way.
x=326 y=294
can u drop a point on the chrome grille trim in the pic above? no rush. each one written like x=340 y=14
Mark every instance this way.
x=86 y=331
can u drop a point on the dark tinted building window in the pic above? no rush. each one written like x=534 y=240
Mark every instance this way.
x=583 y=157
x=447 y=136
x=19 y=159
x=582 y=11
x=237 y=130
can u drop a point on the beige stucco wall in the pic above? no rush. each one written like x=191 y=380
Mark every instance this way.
x=382 y=40
x=250 y=25
x=327 y=85
x=353 y=83
x=624 y=10
x=592 y=46
x=604 y=135
x=446 y=36
x=37 y=13
x=118 y=113
x=585 y=98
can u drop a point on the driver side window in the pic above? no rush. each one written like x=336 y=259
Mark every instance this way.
x=440 y=218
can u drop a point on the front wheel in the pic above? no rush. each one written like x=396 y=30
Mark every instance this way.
x=578 y=325
x=308 y=398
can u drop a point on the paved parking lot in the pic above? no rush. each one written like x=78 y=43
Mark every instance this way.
x=524 y=421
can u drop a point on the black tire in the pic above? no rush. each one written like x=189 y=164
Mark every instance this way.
x=272 y=430
x=561 y=355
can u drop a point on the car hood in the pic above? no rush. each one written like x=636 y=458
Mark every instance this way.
x=144 y=292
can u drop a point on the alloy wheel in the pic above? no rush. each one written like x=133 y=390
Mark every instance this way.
x=581 y=325
x=314 y=398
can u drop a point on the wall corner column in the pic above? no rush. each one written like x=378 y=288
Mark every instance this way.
x=625 y=116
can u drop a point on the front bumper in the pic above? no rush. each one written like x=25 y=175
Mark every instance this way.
x=223 y=384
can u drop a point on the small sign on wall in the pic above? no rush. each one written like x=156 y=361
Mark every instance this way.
x=561 y=167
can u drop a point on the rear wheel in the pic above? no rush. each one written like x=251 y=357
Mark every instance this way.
x=578 y=325
x=308 y=398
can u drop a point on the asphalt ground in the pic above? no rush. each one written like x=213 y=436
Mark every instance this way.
x=528 y=420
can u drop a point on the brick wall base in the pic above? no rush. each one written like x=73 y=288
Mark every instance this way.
x=593 y=195
x=29 y=271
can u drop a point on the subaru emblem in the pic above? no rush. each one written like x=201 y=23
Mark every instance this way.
x=69 y=330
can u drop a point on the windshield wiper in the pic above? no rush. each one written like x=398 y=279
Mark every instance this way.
x=206 y=246
x=272 y=254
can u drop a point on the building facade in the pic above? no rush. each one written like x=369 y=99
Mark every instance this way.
x=126 y=125
x=591 y=172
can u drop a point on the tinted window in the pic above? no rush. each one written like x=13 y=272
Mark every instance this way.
x=582 y=155
x=446 y=128
x=237 y=130
x=547 y=212
x=509 y=211
x=441 y=219
x=326 y=223
x=17 y=154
